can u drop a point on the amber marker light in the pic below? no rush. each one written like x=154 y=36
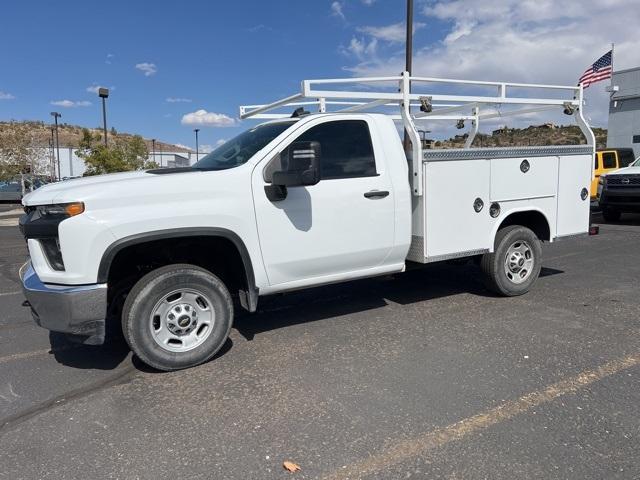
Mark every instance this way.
x=73 y=209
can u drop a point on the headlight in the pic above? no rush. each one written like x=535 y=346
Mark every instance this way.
x=601 y=180
x=60 y=210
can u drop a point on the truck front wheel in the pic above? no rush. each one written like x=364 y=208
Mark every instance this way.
x=177 y=316
x=515 y=263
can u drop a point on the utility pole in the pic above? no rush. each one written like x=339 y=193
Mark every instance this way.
x=103 y=93
x=55 y=116
x=196 y=130
x=153 y=149
x=408 y=57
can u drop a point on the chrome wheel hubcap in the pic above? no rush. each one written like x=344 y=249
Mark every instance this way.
x=182 y=320
x=519 y=262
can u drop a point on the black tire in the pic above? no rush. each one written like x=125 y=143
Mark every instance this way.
x=152 y=289
x=611 y=215
x=494 y=264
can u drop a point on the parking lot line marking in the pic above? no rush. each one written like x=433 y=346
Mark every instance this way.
x=406 y=449
x=4 y=294
x=20 y=356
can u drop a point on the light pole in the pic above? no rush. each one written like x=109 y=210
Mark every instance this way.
x=196 y=130
x=103 y=93
x=55 y=116
x=408 y=57
x=153 y=149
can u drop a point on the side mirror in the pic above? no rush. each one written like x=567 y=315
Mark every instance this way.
x=301 y=167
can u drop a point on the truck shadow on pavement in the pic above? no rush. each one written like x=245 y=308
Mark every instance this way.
x=104 y=357
x=419 y=285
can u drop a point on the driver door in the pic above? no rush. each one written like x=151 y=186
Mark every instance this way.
x=344 y=224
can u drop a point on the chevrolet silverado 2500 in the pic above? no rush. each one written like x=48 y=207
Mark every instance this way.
x=298 y=201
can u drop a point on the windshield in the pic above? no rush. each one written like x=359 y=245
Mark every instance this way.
x=238 y=150
x=636 y=163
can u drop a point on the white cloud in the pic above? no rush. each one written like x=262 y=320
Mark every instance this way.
x=147 y=68
x=361 y=49
x=336 y=10
x=178 y=100
x=207 y=119
x=536 y=41
x=71 y=103
x=368 y=3
x=94 y=88
x=108 y=59
x=6 y=96
x=206 y=148
x=222 y=141
x=394 y=33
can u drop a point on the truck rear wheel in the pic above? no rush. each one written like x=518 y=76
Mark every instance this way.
x=515 y=264
x=177 y=316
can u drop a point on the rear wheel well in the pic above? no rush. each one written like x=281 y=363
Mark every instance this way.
x=533 y=220
x=217 y=254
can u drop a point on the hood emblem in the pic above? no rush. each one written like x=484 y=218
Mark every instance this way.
x=625 y=181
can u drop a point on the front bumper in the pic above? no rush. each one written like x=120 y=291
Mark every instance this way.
x=624 y=199
x=75 y=309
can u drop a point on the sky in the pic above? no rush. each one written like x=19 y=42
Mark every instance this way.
x=175 y=66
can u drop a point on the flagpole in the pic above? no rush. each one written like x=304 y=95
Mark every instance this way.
x=611 y=79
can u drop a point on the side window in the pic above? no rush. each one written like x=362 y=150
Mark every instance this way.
x=347 y=151
x=609 y=160
x=596 y=161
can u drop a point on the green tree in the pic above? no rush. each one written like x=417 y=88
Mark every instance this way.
x=123 y=154
x=19 y=152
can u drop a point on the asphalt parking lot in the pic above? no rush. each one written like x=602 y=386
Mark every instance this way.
x=421 y=375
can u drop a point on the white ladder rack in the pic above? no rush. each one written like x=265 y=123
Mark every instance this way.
x=418 y=107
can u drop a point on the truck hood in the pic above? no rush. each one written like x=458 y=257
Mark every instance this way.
x=142 y=187
x=626 y=171
x=69 y=190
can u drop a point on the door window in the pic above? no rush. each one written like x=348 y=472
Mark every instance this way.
x=596 y=161
x=609 y=160
x=345 y=146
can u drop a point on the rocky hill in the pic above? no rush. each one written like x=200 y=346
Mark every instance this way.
x=69 y=136
x=546 y=134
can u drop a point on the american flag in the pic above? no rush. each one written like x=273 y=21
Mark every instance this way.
x=600 y=70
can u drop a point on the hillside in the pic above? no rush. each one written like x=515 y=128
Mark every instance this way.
x=547 y=134
x=69 y=136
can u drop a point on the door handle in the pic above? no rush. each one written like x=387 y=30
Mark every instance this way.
x=376 y=194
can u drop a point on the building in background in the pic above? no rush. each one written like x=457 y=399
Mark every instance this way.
x=624 y=111
x=73 y=166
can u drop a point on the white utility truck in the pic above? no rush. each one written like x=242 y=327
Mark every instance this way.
x=298 y=201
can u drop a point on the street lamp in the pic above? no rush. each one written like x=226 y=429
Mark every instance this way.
x=103 y=93
x=196 y=130
x=55 y=116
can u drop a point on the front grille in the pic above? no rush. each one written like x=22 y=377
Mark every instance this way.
x=623 y=180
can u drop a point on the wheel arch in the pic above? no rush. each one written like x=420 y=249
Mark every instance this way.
x=248 y=297
x=532 y=218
